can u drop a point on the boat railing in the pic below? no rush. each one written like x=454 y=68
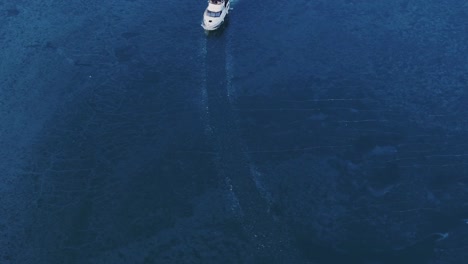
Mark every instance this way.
x=216 y=2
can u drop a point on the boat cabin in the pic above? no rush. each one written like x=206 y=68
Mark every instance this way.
x=215 y=7
x=216 y=2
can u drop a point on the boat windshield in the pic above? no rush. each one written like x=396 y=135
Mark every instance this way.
x=216 y=2
x=213 y=14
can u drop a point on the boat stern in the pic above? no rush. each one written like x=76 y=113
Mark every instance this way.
x=210 y=24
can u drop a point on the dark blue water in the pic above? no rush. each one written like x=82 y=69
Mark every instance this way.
x=302 y=132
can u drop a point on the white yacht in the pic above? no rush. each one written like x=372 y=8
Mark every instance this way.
x=215 y=14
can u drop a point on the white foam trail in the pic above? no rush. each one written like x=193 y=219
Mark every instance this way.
x=257 y=175
x=234 y=2
x=231 y=93
x=229 y=70
x=234 y=205
x=204 y=93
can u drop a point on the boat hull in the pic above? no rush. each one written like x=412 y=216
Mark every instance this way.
x=210 y=23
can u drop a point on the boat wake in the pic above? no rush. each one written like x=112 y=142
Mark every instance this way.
x=205 y=110
x=248 y=197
